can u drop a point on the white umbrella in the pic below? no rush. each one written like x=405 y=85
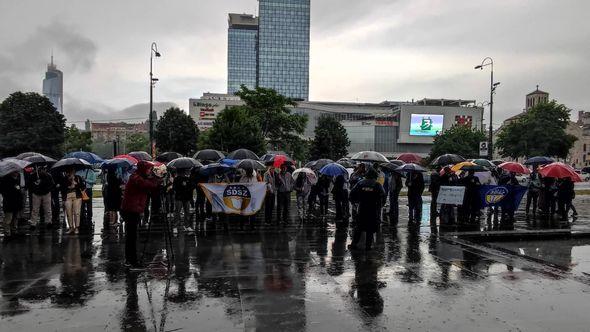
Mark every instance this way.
x=11 y=165
x=313 y=178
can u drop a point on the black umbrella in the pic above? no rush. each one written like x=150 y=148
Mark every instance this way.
x=318 y=164
x=26 y=154
x=75 y=163
x=167 y=157
x=40 y=160
x=215 y=168
x=250 y=164
x=140 y=155
x=447 y=159
x=411 y=167
x=476 y=168
x=209 y=155
x=370 y=156
x=242 y=154
x=538 y=161
x=184 y=163
x=498 y=162
x=392 y=165
x=346 y=162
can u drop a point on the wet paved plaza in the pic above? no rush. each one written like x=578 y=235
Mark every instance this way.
x=299 y=277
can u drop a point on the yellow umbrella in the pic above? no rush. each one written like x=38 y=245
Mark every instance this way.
x=460 y=165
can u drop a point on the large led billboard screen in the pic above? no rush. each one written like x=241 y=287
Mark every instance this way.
x=426 y=124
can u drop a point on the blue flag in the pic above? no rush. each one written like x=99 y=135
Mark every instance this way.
x=506 y=197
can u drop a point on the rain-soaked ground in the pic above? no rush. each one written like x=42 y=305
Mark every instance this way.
x=301 y=277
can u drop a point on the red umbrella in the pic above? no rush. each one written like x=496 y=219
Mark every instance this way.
x=560 y=171
x=514 y=167
x=410 y=158
x=127 y=157
x=279 y=159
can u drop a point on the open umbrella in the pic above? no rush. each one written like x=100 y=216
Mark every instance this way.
x=116 y=163
x=167 y=157
x=184 y=163
x=560 y=171
x=140 y=155
x=534 y=161
x=40 y=160
x=346 y=162
x=228 y=162
x=514 y=167
x=371 y=156
x=131 y=159
x=484 y=162
x=214 y=168
x=334 y=169
x=209 y=155
x=26 y=154
x=250 y=164
x=474 y=167
x=497 y=162
x=280 y=159
x=75 y=163
x=313 y=178
x=88 y=156
x=458 y=166
x=392 y=165
x=447 y=159
x=409 y=158
x=11 y=165
x=318 y=164
x=242 y=154
x=411 y=167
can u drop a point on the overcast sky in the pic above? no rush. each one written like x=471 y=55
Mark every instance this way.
x=362 y=50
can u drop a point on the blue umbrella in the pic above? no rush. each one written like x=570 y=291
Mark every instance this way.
x=88 y=156
x=215 y=168
x=334 y=169
x=228 y=162
x=116 y=163
x=538 y=161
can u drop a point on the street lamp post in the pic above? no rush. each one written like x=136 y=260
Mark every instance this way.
x=153 y=80
x=489 y=62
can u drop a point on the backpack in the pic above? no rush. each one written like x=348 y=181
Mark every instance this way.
x=300 y=182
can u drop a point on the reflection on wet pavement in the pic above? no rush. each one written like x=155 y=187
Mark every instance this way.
x=292 y=278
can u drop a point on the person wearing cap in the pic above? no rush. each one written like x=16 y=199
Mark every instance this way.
x=368 y=194
x=139 y=186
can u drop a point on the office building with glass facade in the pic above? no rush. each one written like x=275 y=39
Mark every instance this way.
x=53 y=86
x=242 y=52
x=283 y=48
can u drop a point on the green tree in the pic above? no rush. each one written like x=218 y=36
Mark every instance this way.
x=461 y=140
x=77 y=140
x=30 y=122
x=280 y=128
x=330 y=141
x=538 y=132
x=137 y=142
x=234 y=129
x=176 y=131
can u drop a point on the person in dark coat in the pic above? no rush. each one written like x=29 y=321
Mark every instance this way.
x=447 y=211
x=340 y=194
x=41 y=184
x=368 y=194
x=139 y=186
x=508 y=179
x=434 y=189
x=323 y=191
x=415 y=184
x=113 y=194
x=565 y=196
x=11 y=200
x=395 y=187
x=183 y=195
x=471 y=197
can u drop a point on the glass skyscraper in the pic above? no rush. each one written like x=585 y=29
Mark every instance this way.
x=242 y=54
x=283 y=51
x=53 y=86
x=281 y=48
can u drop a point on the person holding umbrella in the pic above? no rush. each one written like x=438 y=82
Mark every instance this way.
x=72 y=187
x=565 y=196
x=284 y=188
x=113 y=194
x=183 y=194
x=270 y=177
x=368 y=194
x=415 y=184
x=89 y=178
x=395 y=187
x=340 y=193
x=302 y=189
x=12 y=204
x=41 y=184
x=140 y=184
x=534 y=191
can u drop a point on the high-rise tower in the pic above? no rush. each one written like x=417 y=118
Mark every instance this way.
x=53 y=86
x=242 y=52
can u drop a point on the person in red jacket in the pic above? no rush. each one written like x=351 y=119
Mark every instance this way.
x=139 y=186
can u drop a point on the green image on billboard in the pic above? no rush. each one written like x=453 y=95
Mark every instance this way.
x=426 y=124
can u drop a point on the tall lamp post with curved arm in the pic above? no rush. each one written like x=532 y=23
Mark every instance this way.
x=489 y=62
x=153 y=80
